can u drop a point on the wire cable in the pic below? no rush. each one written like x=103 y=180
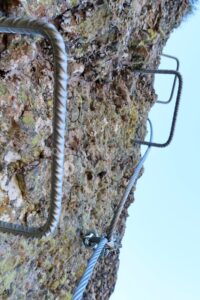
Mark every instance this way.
x=130 y=185
x=78 y=294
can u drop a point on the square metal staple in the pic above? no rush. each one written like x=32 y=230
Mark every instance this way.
x=30 y=26
x=176 y=108
x=174 y=82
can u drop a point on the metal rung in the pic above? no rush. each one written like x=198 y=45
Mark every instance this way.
x=174 y=83
x=175 y=114
x=30 y=26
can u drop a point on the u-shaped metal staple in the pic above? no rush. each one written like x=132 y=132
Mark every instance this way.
x=175 y=114
x=29 y=26
x=174 y=82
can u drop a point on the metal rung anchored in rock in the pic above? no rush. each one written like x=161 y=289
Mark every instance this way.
x=176 y=108
x=30 y=26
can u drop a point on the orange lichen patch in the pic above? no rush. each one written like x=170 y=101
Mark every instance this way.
x=5 y=210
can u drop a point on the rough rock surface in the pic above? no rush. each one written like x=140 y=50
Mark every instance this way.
x=108 y=108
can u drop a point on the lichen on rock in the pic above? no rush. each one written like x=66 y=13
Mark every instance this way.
x=108 y=105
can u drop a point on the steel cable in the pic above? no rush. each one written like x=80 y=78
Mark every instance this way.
x=78 y=294
x=130 y=185
x=102 y=244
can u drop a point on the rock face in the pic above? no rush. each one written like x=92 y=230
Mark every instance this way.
x=108 y=107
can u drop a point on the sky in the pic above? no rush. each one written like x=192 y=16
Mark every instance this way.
x=160 y=255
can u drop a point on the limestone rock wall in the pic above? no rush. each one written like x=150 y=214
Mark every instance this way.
x=108 y=107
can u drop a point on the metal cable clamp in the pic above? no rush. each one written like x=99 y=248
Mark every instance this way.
x=91 y=240
x=30 y=26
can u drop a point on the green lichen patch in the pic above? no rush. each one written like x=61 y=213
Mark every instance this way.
x=22 y=96
x=36 y=140
x=50 y=103
x=152 y=34
x=3 y=90
x=8 y=272
x=6 y=281
x=45 y=2
x=73 y=2
x=97 y=22
x=28 y=119
x=59 y=282
x=68 y=296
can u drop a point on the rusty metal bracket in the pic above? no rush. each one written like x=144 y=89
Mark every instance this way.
x=30 y=26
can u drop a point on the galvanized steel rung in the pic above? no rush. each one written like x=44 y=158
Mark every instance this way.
x=174 y=82
x=31 y=26
x=176 y=108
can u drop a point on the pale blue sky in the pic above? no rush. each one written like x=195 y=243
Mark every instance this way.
x=160 y=258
